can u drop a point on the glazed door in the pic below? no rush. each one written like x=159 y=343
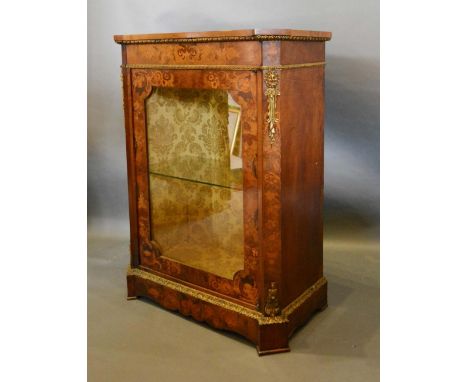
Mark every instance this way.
x=196 y=151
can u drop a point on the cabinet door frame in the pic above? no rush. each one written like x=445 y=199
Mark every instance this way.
x=242 y=86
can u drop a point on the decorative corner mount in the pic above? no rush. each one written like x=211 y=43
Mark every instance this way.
x=271 y=92
x=272 y=304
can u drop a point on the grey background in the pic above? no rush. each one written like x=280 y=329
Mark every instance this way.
x=352 y=97
x=138 y=341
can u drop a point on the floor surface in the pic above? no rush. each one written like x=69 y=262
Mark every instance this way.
x=139 y=341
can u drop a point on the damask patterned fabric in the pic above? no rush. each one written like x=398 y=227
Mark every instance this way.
x=196 y=199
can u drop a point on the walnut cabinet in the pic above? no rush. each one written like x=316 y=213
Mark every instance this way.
x=224 y=134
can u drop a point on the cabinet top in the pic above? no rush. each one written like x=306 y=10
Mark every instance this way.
x=216 y=36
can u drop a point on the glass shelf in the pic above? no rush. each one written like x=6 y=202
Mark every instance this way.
x=234 y=185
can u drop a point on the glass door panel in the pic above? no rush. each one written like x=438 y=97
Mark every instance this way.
x=196 y=178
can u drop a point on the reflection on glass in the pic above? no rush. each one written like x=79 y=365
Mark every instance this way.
x=195 y=164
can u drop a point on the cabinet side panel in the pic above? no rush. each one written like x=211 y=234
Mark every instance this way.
x=301 y=110
x=299 y=52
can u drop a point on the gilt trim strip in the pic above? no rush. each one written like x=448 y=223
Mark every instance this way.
x=224 y=39
x=223 y=67
x=214 y=300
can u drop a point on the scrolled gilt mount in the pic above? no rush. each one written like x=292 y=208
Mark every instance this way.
x=271 y=77
x=272 y=307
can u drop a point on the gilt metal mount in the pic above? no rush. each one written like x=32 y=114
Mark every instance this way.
x=272 y=92
x=272 y=308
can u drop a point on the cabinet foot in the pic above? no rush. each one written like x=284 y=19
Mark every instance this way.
x=272 y=351
x=273 y=339
x=325 y=306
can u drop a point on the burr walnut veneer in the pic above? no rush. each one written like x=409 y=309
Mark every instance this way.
x=224 y=136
